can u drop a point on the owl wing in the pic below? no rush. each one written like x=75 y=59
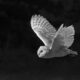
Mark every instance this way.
x=43 y=29
x=67 y=33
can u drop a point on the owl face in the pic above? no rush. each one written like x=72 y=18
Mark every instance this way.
x=42 y=51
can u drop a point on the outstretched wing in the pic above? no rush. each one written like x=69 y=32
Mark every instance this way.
x=43 y=29
x=68 y=35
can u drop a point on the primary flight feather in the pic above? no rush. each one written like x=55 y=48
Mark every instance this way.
x=44 y=30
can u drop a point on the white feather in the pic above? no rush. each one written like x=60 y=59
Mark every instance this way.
x=43 y=29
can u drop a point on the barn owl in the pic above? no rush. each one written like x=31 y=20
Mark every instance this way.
x=56 y=42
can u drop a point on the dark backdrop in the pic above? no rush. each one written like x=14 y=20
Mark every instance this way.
x=18 y=43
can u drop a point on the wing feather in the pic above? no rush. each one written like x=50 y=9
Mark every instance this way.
x=68 y=35
x=43 y=29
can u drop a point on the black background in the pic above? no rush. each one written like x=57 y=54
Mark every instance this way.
x=18 y=43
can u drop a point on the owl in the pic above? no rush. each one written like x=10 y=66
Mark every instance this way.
x=56 y=42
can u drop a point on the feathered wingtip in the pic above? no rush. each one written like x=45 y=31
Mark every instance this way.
x=35 y=20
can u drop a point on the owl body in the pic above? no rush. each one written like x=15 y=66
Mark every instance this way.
x=56 y=42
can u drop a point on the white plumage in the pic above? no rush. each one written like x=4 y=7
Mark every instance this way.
x=56 y=42
x=44 y=30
